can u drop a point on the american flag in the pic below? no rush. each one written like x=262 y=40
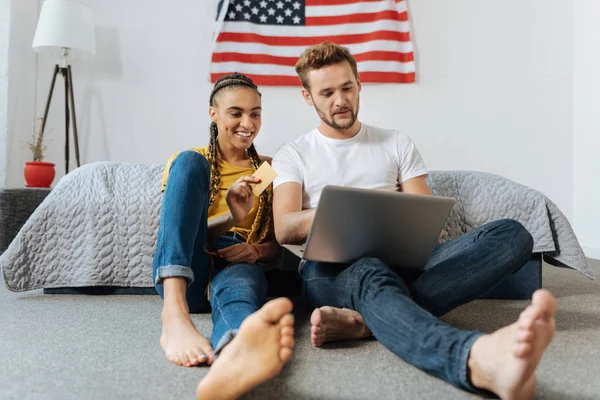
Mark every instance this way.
x=264 y=38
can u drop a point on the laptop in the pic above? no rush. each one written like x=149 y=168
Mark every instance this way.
x=399 y=228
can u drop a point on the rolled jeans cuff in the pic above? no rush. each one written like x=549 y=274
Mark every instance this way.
x=174 y=271
x=225 y=340
x=464 y=368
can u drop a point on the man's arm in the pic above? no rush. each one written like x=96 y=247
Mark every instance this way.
x=291 y=222
x=418 y=185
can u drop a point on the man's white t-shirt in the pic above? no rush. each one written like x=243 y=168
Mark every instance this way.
x=375 y=158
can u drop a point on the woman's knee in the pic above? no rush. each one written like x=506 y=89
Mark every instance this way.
x=192 y=162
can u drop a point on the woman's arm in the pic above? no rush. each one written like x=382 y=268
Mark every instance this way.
x=218 y=226
x=239 y=199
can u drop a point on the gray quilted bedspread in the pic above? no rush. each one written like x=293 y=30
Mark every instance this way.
x=98 y=227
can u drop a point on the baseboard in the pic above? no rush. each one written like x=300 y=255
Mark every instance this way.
x=591 y=252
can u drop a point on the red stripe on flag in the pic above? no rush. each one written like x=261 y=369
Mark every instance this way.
x=254 y=59
x=309 y=41
x=274 y=80
x=357 y=18
x=291 y=61
x=386 y=77
x=384 y=56
x=284 y=80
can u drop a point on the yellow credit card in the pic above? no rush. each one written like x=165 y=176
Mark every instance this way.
x=267 y=174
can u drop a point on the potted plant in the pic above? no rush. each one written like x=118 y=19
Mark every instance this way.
x=37 y=172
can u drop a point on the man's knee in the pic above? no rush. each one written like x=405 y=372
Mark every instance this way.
x=369 y=268
x=516 y=236
x=372 y=273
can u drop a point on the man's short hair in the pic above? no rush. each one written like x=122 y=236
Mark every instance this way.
x=323 y=55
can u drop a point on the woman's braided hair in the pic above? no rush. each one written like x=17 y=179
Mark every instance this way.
x=263 y=221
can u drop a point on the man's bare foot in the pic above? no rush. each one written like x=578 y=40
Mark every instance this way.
x=330 y=323
x=181 y=342
x=505 y=361
x=258 y=352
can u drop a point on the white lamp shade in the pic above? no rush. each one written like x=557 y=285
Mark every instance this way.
x=65 y=24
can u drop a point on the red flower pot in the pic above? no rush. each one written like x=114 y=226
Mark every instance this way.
x=39 y=174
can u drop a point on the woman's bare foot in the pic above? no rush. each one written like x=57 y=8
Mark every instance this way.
x=330 y=323
x=181 y=341
x=258 y=352
x=505 y=361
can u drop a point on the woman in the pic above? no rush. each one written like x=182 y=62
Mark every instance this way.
x=214 y=236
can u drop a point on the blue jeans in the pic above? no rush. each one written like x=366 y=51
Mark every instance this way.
x=236 y=291
x=402 y=309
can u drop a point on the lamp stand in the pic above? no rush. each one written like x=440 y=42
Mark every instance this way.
x=65 y=71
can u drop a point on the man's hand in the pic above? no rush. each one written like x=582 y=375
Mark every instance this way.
x=242 y=253
x=240 y=197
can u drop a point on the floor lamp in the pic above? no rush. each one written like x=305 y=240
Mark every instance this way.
x=65 y=30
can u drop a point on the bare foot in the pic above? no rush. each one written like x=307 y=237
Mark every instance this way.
x=258 y=352
x=505 y=361
x=330 y=323
x=181 y=342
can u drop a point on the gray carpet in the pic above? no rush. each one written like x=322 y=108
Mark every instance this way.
x=106 y=347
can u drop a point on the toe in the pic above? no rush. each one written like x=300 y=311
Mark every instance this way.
x=526 y=321
x=316 y=318
x=530 y=312
x=525 y=335
x=206 y=349
x=317 y=340
x=544 y=299
x=173 y=358
x=523 y=349
x=182 y=359
x=191 y=359
x=285 y=354
x=287 y=341
x=196 y=356
x=287 y=320
x=274 y=310
x=287 y=330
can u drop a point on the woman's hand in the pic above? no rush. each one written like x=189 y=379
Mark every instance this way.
x=240 y=197
x=242 y=253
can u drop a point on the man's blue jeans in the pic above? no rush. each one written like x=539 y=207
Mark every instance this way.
x=236 y=291
x=402 y=310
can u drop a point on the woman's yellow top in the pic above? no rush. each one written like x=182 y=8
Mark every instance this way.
x=229 y=174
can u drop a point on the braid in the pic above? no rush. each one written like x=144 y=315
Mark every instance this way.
x=262 y=223
x=213 y=159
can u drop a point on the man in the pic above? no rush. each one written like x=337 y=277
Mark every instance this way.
x=367 y=297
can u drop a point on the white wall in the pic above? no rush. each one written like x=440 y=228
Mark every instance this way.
x=494 y=92
x=586 y=125
x=4 y=30
x=22 y=70
x=489 y=97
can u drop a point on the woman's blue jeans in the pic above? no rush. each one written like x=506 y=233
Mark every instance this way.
x=236 y=291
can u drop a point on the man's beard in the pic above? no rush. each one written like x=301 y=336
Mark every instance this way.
x=334 y=124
